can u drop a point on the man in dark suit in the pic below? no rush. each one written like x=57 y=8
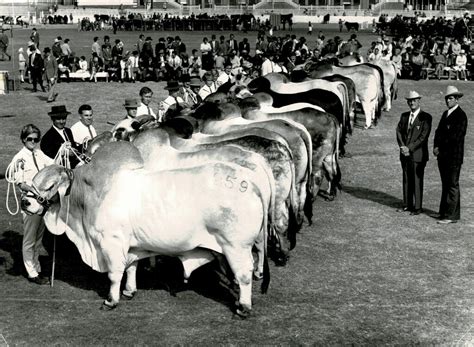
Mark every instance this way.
x=232 y=44
x=50 y=73
x=36 y=66
x=449 y=149
x=214 y=45
x=244 y=46
x=58 y=134
x=35 y=37
x=413 y=131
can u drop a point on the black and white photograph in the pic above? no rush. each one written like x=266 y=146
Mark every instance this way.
x=236 y=173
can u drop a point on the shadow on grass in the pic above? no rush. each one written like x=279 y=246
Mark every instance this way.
x=373 y=195
x=379 y=197
x=208 y=281
x=42 y=98
x=211 y=280
x=70 y=268
x=11 y=242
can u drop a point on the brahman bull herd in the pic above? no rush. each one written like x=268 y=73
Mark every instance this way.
x=233 y=177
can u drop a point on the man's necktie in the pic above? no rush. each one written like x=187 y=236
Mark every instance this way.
x=149 y=112
x=410 y=121
x=65 y=136
x=90 y=131
x=34 y=161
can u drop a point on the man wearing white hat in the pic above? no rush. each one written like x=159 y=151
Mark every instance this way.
x=413 y=131
x=449 y=149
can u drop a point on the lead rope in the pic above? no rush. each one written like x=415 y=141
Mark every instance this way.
x=11 y=176
x=62 y=158
x=53 y=266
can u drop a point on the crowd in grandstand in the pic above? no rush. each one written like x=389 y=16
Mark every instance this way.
x=435 y=47
x=225 y=59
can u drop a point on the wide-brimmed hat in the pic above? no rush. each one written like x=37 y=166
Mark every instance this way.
x=131 y=103
x=30 y=43
x=462 y=51
x=453 y=91
x=185 y=78
x=58 y=111
x=195 y=82
x=413 y=95
x=172 y=85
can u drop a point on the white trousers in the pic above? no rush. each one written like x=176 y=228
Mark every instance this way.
x=33 y=229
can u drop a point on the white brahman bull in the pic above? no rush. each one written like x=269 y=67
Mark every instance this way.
x=332 y=96
x=390 y=81
x=227 y=117
x=368 y=83
x=274 y=148
x=323 y=127
x=280 y=84
x=155 y=147
x=117 y=213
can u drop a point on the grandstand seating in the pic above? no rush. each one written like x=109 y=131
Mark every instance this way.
x=277 y=5
x=6 y=9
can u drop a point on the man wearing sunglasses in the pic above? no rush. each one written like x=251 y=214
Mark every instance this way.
x=28 y=162
x=59 y=134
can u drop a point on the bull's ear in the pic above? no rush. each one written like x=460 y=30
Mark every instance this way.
x=136 y=125
x=66 y=183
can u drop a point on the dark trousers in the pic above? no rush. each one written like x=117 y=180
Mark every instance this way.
x=37 y=78
x=413 y=176
x=450 y=205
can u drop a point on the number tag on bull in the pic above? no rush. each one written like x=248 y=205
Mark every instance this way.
x=230 y=182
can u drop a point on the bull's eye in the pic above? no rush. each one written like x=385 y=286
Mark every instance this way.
x=50 y=188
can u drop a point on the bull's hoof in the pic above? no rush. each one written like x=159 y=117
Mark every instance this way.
x=257 y=275
x=128 y=295
x=330 y=197
x=281 y=261
x=107 y=306
x=242 y=312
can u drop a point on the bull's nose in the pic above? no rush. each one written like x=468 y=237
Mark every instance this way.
x=25 y=203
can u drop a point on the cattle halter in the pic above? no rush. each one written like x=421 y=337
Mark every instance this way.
x=46 y=203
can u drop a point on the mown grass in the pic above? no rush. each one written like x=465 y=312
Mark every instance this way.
x=361 y=274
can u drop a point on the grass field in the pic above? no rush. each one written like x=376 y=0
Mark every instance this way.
x=362 y=274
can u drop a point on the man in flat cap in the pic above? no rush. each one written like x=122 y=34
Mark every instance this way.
x=413 y=131
x=449 y=149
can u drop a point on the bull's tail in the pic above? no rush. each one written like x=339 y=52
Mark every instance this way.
x=336 y=180
x=266 y=268
x=332 y=168
x=266 y=272
x=293 y=225
x=308 y=204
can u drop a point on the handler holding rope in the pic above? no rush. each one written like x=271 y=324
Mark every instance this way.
x=23 y=167
x=58 y=142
